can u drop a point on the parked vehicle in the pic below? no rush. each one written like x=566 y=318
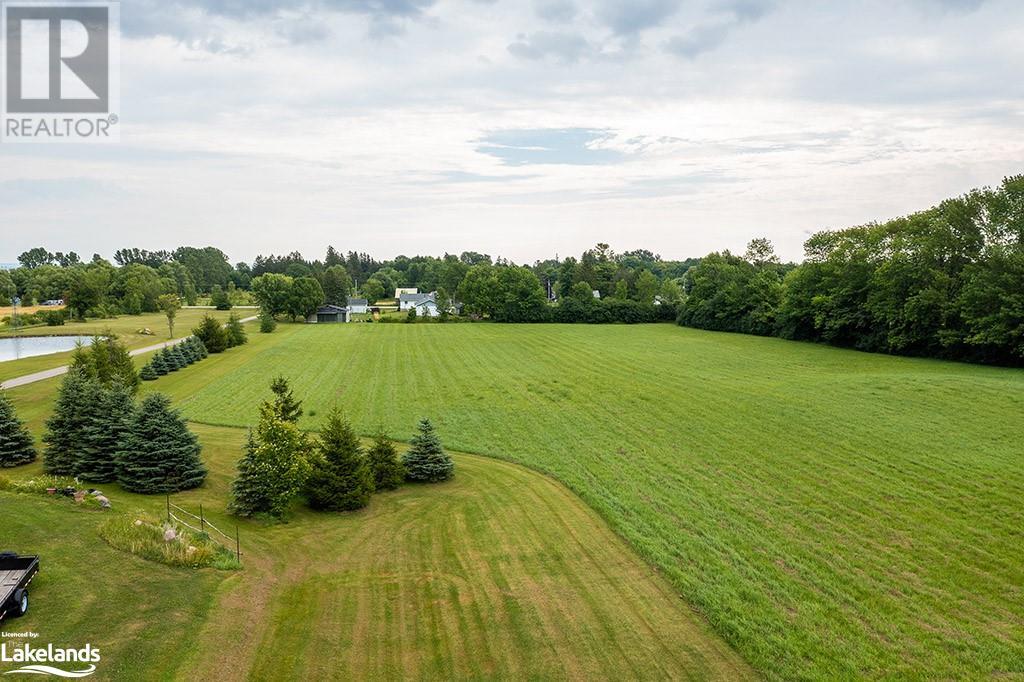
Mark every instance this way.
x=16 y=572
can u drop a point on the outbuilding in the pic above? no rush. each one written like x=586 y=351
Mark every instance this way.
x=327 y=314
x=358 y=306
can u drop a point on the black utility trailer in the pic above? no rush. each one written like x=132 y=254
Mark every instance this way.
x=16 y=572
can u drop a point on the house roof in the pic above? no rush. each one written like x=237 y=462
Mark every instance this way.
x=424 y=302
x=330 y=308
x=415 y=298
x=357 y=301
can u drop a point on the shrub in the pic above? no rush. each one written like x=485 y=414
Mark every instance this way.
x=235 y=331
x=219 y=298
x=426 y=460
x=267 y=322
x=143 y=536
x=212 y=334
x=148 y=373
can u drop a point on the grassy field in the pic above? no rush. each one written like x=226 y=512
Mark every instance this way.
x=499 y=573
x=833 y=514
x=126 y=327
x=140 y=615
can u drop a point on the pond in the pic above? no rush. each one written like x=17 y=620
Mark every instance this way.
x=17 y=347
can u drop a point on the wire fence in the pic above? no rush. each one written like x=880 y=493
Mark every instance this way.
x=205 y=526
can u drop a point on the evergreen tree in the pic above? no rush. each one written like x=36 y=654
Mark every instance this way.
x=16 y=446
x=212 y=334
x=285 y=404
x=200 y=348
x=267 y=322
x=179 y=358
x=148 y=373
x=65 y=426
x=384 y=465
x=159 y=364
x=105 y=428
x=272 y=469
x=188 y=353
x=172 y=361
x=426 y=460
x=339 y=477
x=159 y=454
x=235 y=331
x=106 y=360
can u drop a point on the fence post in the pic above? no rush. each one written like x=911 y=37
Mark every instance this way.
x=168 y=508
x=238 y=550
x=202 y=519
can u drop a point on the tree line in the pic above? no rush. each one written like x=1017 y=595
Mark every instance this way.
x=947 y=282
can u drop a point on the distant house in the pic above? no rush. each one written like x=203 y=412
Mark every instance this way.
x=597 y=294
x=427 y=308
x=327 y=314
x=407 y=301
x=358 y=306
x=401 y=291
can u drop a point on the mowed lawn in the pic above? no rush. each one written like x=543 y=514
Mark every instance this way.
x=498 y=574
x=126 y=327
x=833 y=514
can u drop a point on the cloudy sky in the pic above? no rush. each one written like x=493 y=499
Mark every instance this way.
x=527 y=128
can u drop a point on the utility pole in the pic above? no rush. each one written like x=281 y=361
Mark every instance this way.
x=14 y=314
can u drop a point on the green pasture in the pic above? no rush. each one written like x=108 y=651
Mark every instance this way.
x=833 y=514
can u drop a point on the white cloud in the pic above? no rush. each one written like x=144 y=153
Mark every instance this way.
x=371 y=125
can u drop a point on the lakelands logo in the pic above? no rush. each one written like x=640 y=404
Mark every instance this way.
x=39 y=660
x=61 y=69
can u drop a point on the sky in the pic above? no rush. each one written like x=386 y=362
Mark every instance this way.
x=527 y=129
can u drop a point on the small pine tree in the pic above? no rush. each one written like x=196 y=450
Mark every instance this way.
x=148 y=373
x=285 y=404
x=179 y=357
x=105 y=429
x=65 y=425
x=200 y=348
x=235 y=331
x=187 y=352
x=106 y=360
x=267 y=323
x=384 y=464
x=170 y=360
x=426 y=460
x=272 y=468
x=212 y=334
x=339 y=477
x=159 y=454
x=159 y=364
x=16 y=446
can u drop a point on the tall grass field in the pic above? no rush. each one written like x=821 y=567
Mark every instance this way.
x=833 y=514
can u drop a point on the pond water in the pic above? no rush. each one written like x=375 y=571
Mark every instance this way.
x=14 y=348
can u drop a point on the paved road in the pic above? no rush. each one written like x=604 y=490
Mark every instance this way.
x=58 y=371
